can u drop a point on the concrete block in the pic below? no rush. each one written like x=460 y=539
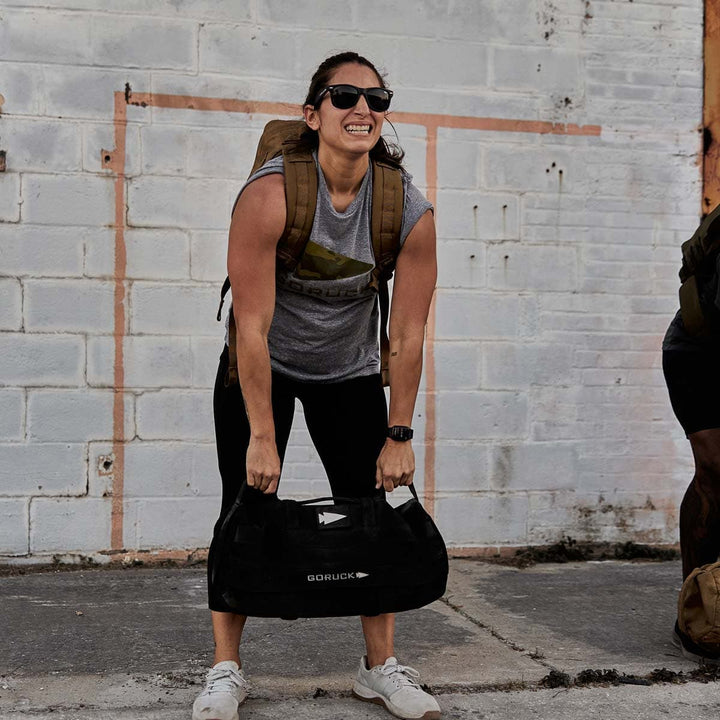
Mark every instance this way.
x=42 y=146
x=247 y=50
x=459 y=65
x=181 y=203
x=193 y=520
x=14 y=527
x=43 y=469
x=38 y=360
x=470 y=315
x=548 y=169
x=517 y=267
x=457 y=365
x=77 y=92
x=459 y=162
x=101 y=467
x=157 y=254
x=97 y=137
x=22 y=88
x=74 y=415
x=100 y=253
x=149 y=361
x=56 y=37
x=174 y=309
x=69 y=525
x=461 y=264
x=171 y=469
x=205 y=353
x=68 y=200
x=175 y=415
x=552 y=517
x=208 y=256
x=69 y=306
x=481 y=415
x=222 y=154
x=461 y=468
x=547 y=466
x=307 y=14
x=144 y=42
x=476 y=520
x=12 y=418
x=470 y=215
x=10 y=197
x=509 y=367
x=11 y=299
x=537 y=70
x=164 y=150
x=38 y=250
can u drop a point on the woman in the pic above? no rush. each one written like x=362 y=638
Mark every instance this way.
x=312 y=334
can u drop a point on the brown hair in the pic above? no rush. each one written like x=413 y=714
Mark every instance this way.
x=382 y=150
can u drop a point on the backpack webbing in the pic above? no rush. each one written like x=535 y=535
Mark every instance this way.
x=301 y=199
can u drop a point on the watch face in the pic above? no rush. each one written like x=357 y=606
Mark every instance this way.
x=400 y=432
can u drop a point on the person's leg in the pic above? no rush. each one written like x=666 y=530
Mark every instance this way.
x=700 y=508
x=232 y=435
x=347 y=422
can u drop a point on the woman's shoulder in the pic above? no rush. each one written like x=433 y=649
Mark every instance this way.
x=269 y=178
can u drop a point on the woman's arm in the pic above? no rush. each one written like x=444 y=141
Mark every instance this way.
x=257 y=223
x=415 y=276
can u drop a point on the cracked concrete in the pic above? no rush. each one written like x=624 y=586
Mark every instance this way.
x=135 y=643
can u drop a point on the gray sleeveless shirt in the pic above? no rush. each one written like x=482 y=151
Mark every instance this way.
x=325 y=323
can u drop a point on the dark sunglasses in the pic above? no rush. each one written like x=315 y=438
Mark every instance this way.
x=343 y=97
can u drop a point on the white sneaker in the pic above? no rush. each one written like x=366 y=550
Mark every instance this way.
x=396 y=687
x=225 y=690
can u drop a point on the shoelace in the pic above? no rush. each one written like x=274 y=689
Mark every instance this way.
x=223 y=681
x=402 y=675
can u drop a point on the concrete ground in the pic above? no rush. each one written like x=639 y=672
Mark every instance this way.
x=134 y=644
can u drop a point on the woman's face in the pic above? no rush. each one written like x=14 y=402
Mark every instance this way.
x=355 y=130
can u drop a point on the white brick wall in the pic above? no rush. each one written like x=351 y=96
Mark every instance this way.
x=558 y=255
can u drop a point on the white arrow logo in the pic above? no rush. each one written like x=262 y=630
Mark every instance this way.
x=361 y=575
x=327 y=518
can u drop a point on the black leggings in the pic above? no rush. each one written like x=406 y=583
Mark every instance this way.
x=347 y=422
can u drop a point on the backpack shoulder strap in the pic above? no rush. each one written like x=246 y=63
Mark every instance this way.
x=301 y=185
x=385 y=227
x=386 y=218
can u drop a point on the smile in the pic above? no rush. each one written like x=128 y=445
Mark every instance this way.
x=358 y=129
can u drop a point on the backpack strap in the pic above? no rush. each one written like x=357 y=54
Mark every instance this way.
x=385 y=226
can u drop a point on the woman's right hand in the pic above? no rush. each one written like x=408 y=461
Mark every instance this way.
x=262 y=464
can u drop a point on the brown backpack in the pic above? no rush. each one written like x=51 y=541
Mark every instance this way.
x=279 y=138
x=699 y=607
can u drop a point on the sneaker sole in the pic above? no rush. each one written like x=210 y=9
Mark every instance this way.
x=695 y=657
x=379 y=700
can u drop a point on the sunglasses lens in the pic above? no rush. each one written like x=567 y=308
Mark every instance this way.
x=344 y=96
x=378 y=99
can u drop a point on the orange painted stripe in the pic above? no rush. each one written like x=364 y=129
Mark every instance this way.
x=711 y=107
x=117 y=164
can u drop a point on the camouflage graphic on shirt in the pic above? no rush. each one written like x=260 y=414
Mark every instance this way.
x=319 y=263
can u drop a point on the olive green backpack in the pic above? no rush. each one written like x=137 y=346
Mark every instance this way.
x=301 y=183
x=699 y=258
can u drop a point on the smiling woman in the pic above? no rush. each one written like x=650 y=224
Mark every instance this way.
x=310 y=332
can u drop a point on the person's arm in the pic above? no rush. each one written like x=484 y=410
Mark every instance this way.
x=415 y=276
x=257 y=223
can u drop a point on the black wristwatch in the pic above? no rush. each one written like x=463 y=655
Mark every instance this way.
x=401 y=433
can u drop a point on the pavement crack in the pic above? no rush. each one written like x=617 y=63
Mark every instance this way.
x=535 y=655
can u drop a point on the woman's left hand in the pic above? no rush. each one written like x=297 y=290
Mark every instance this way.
x=395 y=466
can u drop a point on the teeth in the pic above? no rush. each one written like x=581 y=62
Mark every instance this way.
x=360 y=129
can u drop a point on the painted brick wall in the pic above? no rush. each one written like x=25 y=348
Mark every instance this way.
x=558 y=256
